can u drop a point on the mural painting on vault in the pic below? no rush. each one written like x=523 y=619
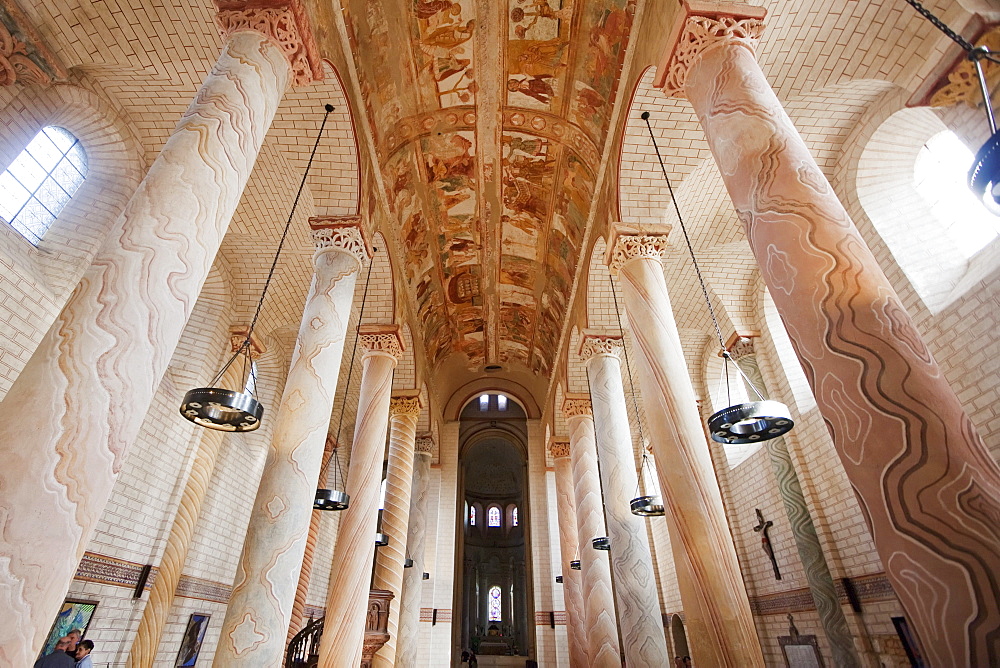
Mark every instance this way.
x=491 y=248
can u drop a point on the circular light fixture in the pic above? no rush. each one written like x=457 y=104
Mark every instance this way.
x=750 y=422
x=331 y=499
x=575 y=565
x=381 y=540
x=222 y=410
x=407 y=563
x=647 y=506
x=602 y=543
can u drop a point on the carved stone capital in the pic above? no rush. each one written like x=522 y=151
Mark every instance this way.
x=404 y=405
x=705 y=23
x=627 y=242
x=575 y=405
x=342 y=233
x=960 y=84
x=424 y=445
x=284 y=22
x=24 y=58
x=740 y=344
x=601 y=344
x=559 y=449
x=381 y=339
x=238 y=334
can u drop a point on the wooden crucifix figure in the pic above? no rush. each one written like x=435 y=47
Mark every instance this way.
x=765 y=541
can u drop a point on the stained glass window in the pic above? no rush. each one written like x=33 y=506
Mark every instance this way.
x=494 y=603
x=513 y=517
x=40 y=182
x=493 y=517
x=472 y=515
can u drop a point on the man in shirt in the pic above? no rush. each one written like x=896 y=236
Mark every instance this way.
x=58 y=658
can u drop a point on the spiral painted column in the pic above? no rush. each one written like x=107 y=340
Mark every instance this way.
x=716 y=607
x=260 y=607
x=350 y=574
x=639 y=620
x=81 y=399
x=603 y=648
x=168 y=573
x=821 y=587
x=407 y=643
x=929 y=488
x=403 y=414
x=569 y=543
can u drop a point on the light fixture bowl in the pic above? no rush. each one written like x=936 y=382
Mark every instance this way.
x=575 y=565
x=222 y=410
x=602 y=543
x=984 y=176
x=331 y=499
x=647 y=506
x=750 y=422
x=381 y=540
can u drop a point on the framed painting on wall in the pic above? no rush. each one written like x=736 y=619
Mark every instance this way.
x=73 y=614
x=194 y=635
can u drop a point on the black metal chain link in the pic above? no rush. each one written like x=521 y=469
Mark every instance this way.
x=967 y=46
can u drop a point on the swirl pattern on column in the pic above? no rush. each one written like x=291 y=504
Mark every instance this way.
x=598 y=600
x=639 y=619
x=569 y=541
x=403 y=414
x=268 y=572
x=409 y=607
x=928 y=487
x=350 y=572
x=94 y=373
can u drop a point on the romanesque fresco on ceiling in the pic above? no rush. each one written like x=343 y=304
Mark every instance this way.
x=556 y=89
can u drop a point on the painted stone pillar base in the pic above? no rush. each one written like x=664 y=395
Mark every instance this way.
x=603 y=648
x=350 y=574
x=569 y=543
x=928 y=487
x=80 y=400
x=416 y=538
x=716 y=607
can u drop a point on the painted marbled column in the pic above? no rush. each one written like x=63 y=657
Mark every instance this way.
x=639 y=620
x=403 y=413
x=168 y=572
x=603 y=648
x=569 y=542
x=350 y=574
x=818 y=576
x=81 y=399
x=929 y=488
x=716 y=607
x=416 y=536
x=260 y=607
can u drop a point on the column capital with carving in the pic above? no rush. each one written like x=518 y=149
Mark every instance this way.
x=238 y=335
x=24 y=57
x=705 y=23
x=381 y=340
x=558 y=448
x=575 y=405
x=593 y=344
x=285 y=23
x=741 y=343
x=343 y=233
x=404 y=405
x=424 y=445
x=630 y=242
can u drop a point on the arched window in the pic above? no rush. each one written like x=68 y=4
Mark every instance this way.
x=472 y=516
x=501 y=402
x=484 y=402
x=251 y=386
x=41 y=181
x=493 y=516
x=494 y=604
x=513 y=517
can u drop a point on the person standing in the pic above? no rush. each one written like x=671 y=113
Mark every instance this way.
x=58 y=658
x=83 y=651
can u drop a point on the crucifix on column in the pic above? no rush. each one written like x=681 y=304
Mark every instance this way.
x=765 y=541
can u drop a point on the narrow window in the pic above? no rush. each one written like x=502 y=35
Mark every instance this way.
x=493 y=517
x=484 y=402
x=494 y=602
x=472 y=516
x=513 y=517
x=41 y=181
x=251 y=386
x=501 y=402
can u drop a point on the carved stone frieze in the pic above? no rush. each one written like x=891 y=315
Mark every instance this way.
x=284 y=22
x=705 y=24
x=600 y=344
x=631 y=246
x=405 y=405
x=963 y=83
x=574 y=406
x=24 y=58
x=424 y=445
x=559 y=449
x=238 y=335
x=344 y=233
x=741 y=344
x=383 y=339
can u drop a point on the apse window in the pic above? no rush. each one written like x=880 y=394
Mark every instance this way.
x=940 y=174
x=494 y=604
x=501 y=402
x=513 y=517
x=472 y=516
x=41 y=181
x=251 y=386
x=493 y=517
x=484 y=402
